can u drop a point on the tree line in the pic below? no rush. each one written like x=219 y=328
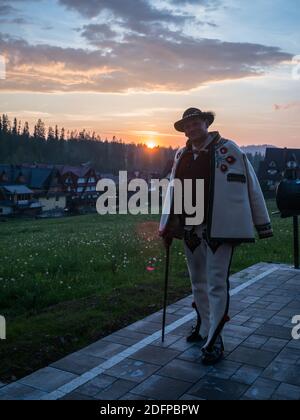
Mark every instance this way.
x=54 y=145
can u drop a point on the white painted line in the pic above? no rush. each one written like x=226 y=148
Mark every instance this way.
x=253 y=281
x=93 y=373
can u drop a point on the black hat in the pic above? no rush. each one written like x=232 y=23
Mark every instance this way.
x=192 y=113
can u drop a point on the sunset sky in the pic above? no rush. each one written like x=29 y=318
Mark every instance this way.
x=131 y=67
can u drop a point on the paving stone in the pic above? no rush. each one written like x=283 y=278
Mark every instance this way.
x=184 y=370
x=77 y=363
x=225 y=369
x=253 y=325
x=295 y=304
x=169 y=340
x=238 y=306
x=211 y=388
x=103 y=349
x=187 y=397
x=145 y=327
x=255 y=341
x=277 y=299
x=48 y=379
x=125 y=332
x=133 y=397
x=240 y=320
x=193 y=354
x=287 y=392
x=274 y=344
x=238 y=331
x=162 y=388
x=259 y=358
x=133 y=370
x=96 y=385
x=182 y=311
x=231 y=343
x=256 y=320
x=125 y=341
x=157 y=317
x=278 y=320
x=247 y=374
x=250 y=299
x=75 y=396
x=288 y=356
x=276 y=306
x=184 y=330
x=262 y=313
x=181 y=344
x=17 y=391
x=274 y=331
x=262 y=389
x=279 y=371
x=288 y=312
x=116 y=390
x=294 y=344
x=155 y=355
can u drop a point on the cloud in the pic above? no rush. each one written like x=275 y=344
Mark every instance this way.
x=130 y=10
x=9 y=14
x=6 y=9
x=140 y=63
x=282 y=107
x=98 y=33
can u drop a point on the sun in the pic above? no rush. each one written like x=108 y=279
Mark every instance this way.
x=151 y=145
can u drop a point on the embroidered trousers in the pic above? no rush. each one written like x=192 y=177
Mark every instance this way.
x=209 y=268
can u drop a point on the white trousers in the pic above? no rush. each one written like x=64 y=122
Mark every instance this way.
x=209 y=270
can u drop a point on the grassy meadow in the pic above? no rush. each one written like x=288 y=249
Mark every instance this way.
x=65 y=283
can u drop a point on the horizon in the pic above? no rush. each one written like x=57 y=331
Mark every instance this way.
x=149 y=145
x=132 y=66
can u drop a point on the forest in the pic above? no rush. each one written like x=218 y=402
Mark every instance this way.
x=54 y=145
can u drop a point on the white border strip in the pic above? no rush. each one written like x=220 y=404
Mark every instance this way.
x=93 y=373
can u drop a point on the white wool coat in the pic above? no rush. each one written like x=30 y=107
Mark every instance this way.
x=236 y=205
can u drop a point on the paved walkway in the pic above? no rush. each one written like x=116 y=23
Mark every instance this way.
x=263 y=361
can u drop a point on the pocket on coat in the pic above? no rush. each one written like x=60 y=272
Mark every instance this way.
x=231 y=177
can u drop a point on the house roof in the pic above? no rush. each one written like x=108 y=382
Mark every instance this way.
x=79 y=171
x=275 y=162
x=279 y=156
x=40 y=177
x=17 y=189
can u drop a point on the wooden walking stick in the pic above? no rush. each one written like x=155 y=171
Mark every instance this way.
x=166 y=291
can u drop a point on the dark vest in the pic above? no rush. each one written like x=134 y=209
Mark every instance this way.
x=190 y=168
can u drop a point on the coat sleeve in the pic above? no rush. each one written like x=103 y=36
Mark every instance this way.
x=170 y=223
x=260 y=215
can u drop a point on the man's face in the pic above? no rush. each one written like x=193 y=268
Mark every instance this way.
x=196 y=128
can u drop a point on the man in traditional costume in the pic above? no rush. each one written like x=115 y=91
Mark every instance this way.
x=233 y=205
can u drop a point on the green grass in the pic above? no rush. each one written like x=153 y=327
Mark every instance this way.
x=68 y=282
